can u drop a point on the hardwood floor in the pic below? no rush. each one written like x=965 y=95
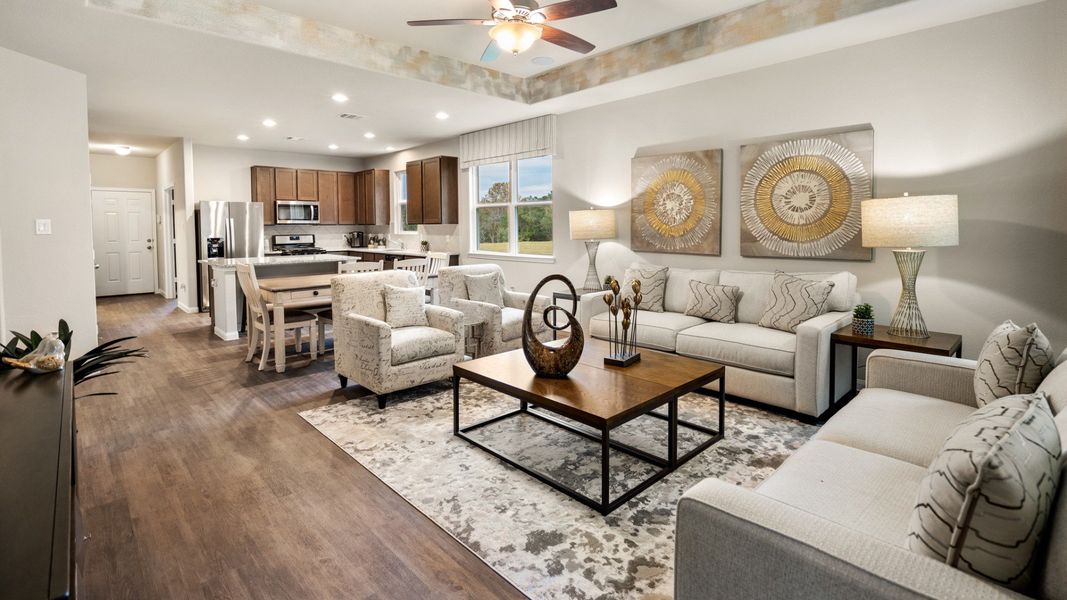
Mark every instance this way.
x=199 y=480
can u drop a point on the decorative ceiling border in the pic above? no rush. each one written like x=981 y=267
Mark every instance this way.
x=249 y=22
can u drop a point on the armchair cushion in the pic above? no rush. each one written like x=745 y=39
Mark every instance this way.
x=415 y=343
x=983 y=506
x=741 y=345
x=404 y=306
x=486 y=288
x=511 y=323
x=1012 y=361
x=900 y=425
x=794 y=300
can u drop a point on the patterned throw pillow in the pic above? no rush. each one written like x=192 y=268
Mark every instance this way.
x=404 y=306
x=485 y=288
x=986 y=498
x=1013 y=360
x=713 y=302
x=794 y=300
x=653 y=285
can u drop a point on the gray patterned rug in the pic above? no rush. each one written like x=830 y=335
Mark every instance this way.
x=545 y=543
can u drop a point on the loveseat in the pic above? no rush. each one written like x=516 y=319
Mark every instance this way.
x=787 y=370
x=832 y=521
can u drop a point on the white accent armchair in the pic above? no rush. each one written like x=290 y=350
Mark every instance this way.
x=381 y=358
x=503 y=325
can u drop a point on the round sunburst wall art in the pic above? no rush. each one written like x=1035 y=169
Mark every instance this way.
x=801 y=198
x=676 y=204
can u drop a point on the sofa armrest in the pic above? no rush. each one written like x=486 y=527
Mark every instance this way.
x=941 y=377
x=812 y=362
x=589 y=306
x=445 y=319
x=481 y=311
x=733 y=542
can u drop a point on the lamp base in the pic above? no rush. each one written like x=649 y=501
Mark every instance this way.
x=908 y=319
x=592 y=279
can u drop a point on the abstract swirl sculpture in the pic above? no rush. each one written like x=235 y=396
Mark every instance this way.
x=553 y=361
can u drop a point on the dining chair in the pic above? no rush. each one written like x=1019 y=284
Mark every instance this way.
x=418 y=266
x=326 y=315
x=261 y=320
x=434 y=262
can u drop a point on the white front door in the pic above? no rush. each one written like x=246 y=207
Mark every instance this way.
x=123 y=242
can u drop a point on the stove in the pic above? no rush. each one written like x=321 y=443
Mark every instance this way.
x=295 y=245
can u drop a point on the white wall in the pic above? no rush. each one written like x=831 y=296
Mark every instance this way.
x=976 y=108
x=114 y=171
x=44 y=174
x=171 y=173
x=224 y=173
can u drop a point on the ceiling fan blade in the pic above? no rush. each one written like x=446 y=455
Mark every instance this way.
x=566 y=40
x=502 y=5
x=451 y=22
x=574 y=8
x=492 y=51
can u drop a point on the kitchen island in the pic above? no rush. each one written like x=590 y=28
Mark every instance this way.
x=227 y=301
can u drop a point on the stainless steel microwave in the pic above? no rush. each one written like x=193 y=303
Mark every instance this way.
x=295 y=212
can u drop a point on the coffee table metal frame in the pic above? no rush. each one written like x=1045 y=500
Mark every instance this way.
x=605 y=505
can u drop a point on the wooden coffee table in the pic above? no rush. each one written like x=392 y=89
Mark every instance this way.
x=601 y=397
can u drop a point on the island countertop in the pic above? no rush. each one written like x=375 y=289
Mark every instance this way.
x=393 y=251
x=306 y=259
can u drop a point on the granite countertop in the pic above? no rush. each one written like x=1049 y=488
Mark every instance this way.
x=397 y=251
x=229 y=263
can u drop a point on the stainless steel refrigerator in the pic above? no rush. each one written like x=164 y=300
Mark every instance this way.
x=225 y=230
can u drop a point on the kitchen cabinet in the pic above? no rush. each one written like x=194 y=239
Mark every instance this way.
x=433 y=191
x=327 y=186
x=372 y=197
x=263 y=191
x=346 y=199
x=307 y=185
x=284 y=184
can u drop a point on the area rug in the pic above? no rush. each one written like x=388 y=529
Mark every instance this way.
x=548 y=545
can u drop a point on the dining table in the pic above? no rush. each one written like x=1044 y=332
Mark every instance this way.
x=293 y=292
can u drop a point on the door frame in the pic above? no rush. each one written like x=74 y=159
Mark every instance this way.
x=170 y=279
x=152 y=203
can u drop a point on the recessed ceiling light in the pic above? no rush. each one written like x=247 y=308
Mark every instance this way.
x=389 y=148
x=123 y=150
x=543 y=61
x=369 y=135
x=441 y=116
x=295 y=138
x=339 y=98
x=242 y=137
x=269 y=122
x=333 y=146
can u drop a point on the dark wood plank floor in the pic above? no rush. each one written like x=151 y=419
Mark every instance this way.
x=199 y=480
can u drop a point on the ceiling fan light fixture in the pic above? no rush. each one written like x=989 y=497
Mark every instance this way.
x=515 y=36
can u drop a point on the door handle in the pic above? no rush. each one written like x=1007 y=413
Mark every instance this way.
x=149 y=247
x=149 y=240
x=97 y=267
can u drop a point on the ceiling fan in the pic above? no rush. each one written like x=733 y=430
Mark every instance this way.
x=515 y=27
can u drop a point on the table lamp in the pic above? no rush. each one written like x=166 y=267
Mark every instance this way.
x=902 y=223
x=592 y=226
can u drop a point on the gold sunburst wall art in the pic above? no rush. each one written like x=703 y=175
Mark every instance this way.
x=800 y=197
x=677 y=203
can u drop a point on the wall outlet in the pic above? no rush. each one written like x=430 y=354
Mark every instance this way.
x=43 y=227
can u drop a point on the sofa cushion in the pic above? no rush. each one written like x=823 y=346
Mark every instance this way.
x=900 y=425
x=404 y=306
x=755 y=289
x=511 y=323
x=677 y=297
x=488 y=287
x=654 y=330
x=861 y=490
x=741 y=345
x=1055 y=386
x=1053 y=565
x=416 y=343
x=713 y=302
x=843 y=297
x=794 y=300
x=1012 y=361
x=983 y=506
x=653 y=280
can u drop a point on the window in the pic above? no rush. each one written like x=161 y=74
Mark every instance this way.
x=401 y=224
x=514 y=219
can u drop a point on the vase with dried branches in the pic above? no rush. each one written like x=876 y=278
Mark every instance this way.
x=622 y=341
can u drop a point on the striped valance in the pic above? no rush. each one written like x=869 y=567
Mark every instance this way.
x=523 y=139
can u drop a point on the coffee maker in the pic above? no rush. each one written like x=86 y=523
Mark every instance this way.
x=354 y=239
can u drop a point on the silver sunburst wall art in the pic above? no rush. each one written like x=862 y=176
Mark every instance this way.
x=676 y=205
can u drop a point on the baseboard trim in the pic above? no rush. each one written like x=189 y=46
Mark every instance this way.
x=185 y=308
x=229 y=337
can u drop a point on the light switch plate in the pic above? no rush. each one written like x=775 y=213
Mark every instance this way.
x=43 y=227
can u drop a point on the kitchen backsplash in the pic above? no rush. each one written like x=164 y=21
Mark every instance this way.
x=332 y=237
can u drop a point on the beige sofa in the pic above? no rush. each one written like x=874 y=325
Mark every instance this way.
x=787 y=370
x=832 y=521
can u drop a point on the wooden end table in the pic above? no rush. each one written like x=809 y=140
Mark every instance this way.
x=940 y=344
x=602 y=397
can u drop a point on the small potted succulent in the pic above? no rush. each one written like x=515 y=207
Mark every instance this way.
x=863 y=320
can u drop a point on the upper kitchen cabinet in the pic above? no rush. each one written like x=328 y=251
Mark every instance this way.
x=263 y=191
x=346 y=199
x=307 y=185
x=328 y=194
x=284 y=183
x=372 y=197
x=433 y=191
